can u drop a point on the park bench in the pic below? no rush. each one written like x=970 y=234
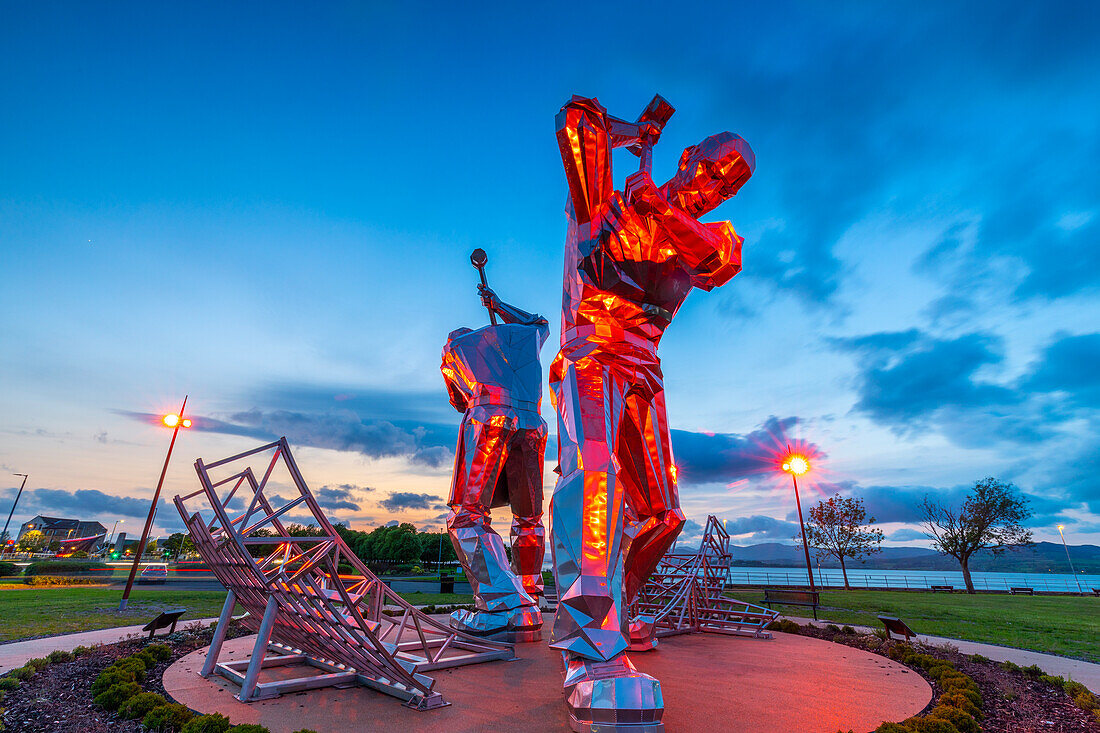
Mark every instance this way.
x=1096 y=591
x=166 y=620
x=1021 y=591
x=807 y=598
x=944 y=588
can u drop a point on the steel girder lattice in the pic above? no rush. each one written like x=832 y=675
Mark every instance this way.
x=298 y=602
x=686 y=593
x=631 y=259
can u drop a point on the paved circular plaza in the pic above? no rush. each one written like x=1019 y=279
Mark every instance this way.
x=710 y=683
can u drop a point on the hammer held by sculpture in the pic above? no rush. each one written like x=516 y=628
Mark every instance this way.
x=631 y=258
x=494 y=378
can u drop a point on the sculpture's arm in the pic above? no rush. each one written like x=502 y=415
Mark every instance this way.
x=508 y=313
x=711 y=253
x=586 y=134
x=457 y=390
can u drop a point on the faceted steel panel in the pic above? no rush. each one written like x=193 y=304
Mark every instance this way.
x=494 y=378
x=631 y=258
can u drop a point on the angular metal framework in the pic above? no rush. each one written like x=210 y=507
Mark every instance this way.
x=299 y=603
x=686 y=593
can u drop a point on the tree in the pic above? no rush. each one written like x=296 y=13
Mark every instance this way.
x=988 y=520
x=179 y=544
x=840 y=527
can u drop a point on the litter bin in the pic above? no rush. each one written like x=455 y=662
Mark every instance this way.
x=446 y=583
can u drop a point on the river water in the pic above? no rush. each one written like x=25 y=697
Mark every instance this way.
x=864 y=578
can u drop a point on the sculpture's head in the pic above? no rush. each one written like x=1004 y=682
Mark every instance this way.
x=710 y=172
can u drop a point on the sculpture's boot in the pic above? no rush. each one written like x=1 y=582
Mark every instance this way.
x=643 y=633
x=516 y=625
x=611 y=696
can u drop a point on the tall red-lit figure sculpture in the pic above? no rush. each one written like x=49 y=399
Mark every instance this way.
x=631 y=258
x=494 y=378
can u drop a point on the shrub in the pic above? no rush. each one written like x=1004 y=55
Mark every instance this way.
x=893 y=728
x=215 y=723
x=1010 y=666
x=36 y=581
x=161 y=652
x=1034 y=671
x=115 y=695
x=8 y=569
x=79 y=555
x=112 y=676
x=59 y=656
x=37 y=664
x=134 y=662
x=147 y=658
x=846 y=629
x=82 y=651
x=167 y=718
x=139 y=705
x=963 y=723
x=23 y=673
x=248 y=728
x=784 y=625
x=833 y=628
x=979 y=659
x=8 y=683
x=1052 y=680
x=69 y=567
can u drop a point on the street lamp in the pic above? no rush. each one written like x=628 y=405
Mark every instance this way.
x=4 y=534
x=112 y=537
x=1070 y=561
x=174 y=421
x=796 y=465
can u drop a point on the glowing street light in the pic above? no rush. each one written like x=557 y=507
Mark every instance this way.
x=796 y=465
x=4 y=534
x=174 y=421
x=1060 y=527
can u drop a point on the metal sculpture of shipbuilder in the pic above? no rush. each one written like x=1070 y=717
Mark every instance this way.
x=494 y=378
x=631 y=258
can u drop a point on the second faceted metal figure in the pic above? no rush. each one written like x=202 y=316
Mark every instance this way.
x=494 y=378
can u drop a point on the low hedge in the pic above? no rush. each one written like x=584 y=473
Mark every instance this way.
x=8 y=569
x=959 y=707
x=37 y=581
x=69 y=568
x=168 y=718
x=140 y=705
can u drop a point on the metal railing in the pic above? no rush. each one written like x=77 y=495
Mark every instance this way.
x=832 y=578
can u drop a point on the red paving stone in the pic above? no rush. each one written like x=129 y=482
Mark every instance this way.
x=792 y=684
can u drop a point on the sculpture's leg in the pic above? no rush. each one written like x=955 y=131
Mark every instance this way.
x=524 y=470
x=500 y=601
x=653 y=511
x=219 y=634
x=602 y=688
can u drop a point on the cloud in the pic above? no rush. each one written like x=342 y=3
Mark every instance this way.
x=760 y=527
x=905 y=534
x=711 y=457
x=342 y=496
x=1070 y=365
x=341 y=430
x=88 y=502
x=400 y=501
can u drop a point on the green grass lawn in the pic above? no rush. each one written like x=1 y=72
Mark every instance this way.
x=1065 y=625
x=30 y=612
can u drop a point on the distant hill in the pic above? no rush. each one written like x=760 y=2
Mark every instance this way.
x=1043 y=557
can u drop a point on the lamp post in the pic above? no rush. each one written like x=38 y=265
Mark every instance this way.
x=112 y=537
x=174 y=421
x=1070 y=561
x=796 y=465
x=4 y=534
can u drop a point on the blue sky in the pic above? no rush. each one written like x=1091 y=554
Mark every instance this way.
x=270 y=208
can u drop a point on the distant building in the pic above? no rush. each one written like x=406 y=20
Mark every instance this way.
x=55 y=530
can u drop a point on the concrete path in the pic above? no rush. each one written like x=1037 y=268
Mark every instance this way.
x=17 y=653
x=1087 y=673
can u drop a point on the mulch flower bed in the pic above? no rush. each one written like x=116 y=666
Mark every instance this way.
x=59 y=696
x=1013 y=699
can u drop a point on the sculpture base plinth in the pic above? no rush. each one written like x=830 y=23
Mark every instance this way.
x=579 y=726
